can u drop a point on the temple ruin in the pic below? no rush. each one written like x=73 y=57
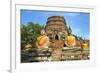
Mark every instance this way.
x=56 y=29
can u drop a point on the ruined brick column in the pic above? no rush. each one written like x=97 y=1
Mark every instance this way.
x=55 y=29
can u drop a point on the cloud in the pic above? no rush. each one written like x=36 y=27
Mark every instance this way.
x=76 y=31
x=87 y=36
x=79 y=32
x=73 y=14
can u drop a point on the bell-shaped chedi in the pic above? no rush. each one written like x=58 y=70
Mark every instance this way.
x=56 y=28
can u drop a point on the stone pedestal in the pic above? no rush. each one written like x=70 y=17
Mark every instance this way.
x=56 y=46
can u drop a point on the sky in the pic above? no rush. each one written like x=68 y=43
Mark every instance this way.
x=78 y=21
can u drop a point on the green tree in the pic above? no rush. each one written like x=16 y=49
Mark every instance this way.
x=29 y=32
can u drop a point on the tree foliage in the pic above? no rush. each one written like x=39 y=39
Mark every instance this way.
x=29 y=32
